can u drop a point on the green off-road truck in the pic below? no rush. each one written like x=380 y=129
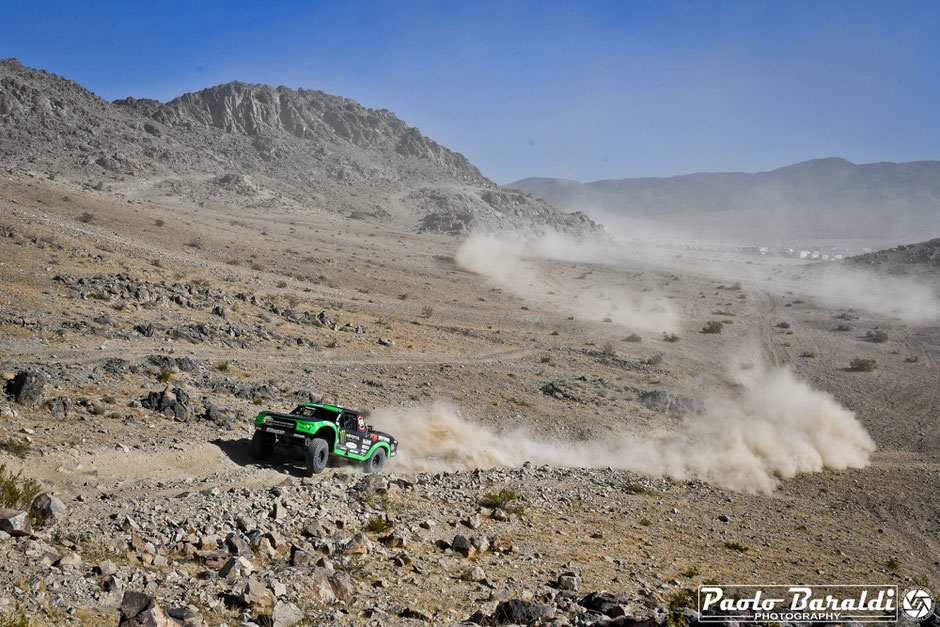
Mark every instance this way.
x=322 y=430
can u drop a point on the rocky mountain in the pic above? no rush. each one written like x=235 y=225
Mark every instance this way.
x=262 y=147
x=822 y=198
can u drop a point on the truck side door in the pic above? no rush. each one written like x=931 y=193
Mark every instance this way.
x=353 y=442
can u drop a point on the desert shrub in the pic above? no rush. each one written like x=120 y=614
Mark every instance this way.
x=158 y=222
x=878 y=336
x=222 y=366
x=783 y=325
x=654 y=360
x=912 y=360
x=634 y=488
x=16 y=447
x=505 y=499
x=736 y=546
x=712 y=326
x=808 y=354
x=861 y=364
x=165 y=375
x=86 y=218
x=403 y=296
x=16 y=618
x=670 y=337
x=256 y=266
x=608 y=319
x=545 y=359
x=633 y=337
x=195 y=243
x=427 y=312
x=16 y=492
x=609 y=349
x=378 y=524
x=843 y=327
x=282 y=284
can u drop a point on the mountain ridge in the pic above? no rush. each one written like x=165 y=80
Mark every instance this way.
x=268 y=148
x=814 y=198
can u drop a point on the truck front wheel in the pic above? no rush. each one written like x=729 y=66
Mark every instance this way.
x=318 y=452
x=375 y=463
x=262 y=445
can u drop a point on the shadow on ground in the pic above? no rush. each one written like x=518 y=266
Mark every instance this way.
x=285 y=460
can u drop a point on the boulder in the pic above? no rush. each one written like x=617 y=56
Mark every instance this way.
x=343 y=586
x=463 y=546
x=15 y=522
x=519 y=612
x=255 y=593
x=26 y=387
x=474 y=574
x=48 y=508
x=61 y=407
x=141 y=610
x=286 y=615
x=568 y=581
x=320 y=587
x=415 y=614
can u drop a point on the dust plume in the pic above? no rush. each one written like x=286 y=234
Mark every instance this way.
x=775 y=428
x=511 y=261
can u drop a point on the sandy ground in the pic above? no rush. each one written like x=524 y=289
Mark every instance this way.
x=459 y=338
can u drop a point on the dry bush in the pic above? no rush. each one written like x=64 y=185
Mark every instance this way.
x=712 y=326
x=862 y=364
x=877 y=336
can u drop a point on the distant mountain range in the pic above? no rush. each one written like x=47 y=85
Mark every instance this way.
x=264 y=148
x=822 y=198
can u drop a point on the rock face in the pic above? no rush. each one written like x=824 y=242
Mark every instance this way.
x=272 y=147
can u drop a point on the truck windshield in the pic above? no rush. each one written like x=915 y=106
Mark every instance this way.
x=317 y=413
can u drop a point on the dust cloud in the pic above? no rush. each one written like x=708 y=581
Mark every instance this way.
x=511 y=262
x=775 y=428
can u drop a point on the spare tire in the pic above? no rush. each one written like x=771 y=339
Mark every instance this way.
x=317 y=453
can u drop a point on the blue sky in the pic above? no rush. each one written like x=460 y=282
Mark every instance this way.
x=583 y=90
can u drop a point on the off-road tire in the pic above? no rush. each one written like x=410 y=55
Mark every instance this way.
x=317 y=453
x=376 y=461
x=262 y=445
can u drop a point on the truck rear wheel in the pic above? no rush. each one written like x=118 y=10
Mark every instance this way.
x=262 y=445
x=375 y=463
x=317 y=453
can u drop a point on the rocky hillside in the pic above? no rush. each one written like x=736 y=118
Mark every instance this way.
x=264 y=148
x=924 y=256
x=831 y=198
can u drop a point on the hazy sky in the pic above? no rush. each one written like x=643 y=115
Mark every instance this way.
x=582 y=90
